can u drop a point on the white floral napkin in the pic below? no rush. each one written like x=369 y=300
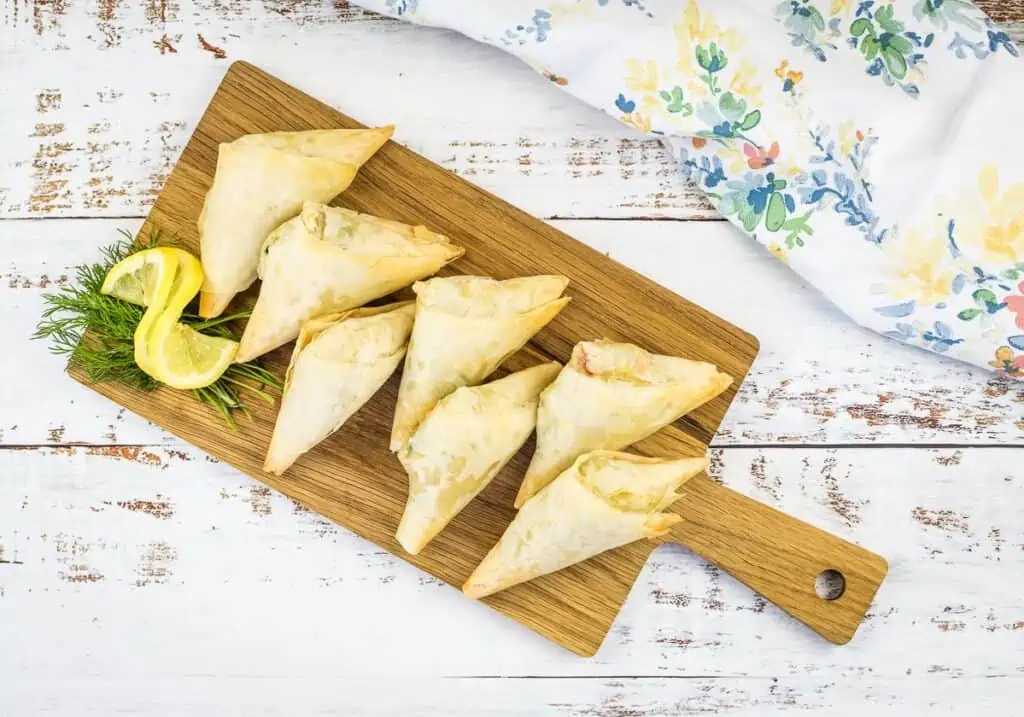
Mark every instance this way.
x=870 y=144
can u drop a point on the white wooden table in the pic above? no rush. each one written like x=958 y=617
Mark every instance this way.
x=138 y=576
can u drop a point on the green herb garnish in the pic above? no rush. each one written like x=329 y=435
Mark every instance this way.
x=97 y=333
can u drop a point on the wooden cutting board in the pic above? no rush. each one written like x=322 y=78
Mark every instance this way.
x=355 y=481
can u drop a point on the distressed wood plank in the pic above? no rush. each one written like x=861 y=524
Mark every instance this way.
x=114 y=170
x=257 y=696
x=75 y=24
x=166 y=27
x=1009 y=13
x=819 y=379
x=154 y=552
x=96 y=137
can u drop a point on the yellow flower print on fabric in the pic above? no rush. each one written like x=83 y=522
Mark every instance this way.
x=642 y=76
x=990 y=229
x=570 y=11
x=695 y=28
x=637 y=120
x=742 y=83
x=734 y=160
x=779 y=251
x=790 y=78
x=840 y=7
x=709 y=69
x=919 y=265
x=710 y=82
x=849 y=136
x=845 y=7
x=1008 y=362
x=966 y=267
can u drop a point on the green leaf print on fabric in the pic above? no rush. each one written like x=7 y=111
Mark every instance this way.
x=890 y=50
x=807 y=27
x=674 y=101
x=712 y=60
x=775 y=217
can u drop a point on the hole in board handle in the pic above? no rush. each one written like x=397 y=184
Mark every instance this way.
x=830 y=584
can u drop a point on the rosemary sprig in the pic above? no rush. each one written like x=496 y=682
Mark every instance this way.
x=96 y=332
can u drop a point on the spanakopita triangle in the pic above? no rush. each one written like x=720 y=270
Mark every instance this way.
x=340 y=361
x=602 y=501
x=331 y=259
x=462 y=444
x=608 y=396
x=262 y=180
x=465 y=327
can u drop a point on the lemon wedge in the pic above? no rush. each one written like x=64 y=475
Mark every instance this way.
x=184 y=358
x=188 y=277
x=179 y=355
x=142 y=278
x=145 y=278
x=165 y=280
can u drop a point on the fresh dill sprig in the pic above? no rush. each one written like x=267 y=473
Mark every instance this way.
x=96 y=332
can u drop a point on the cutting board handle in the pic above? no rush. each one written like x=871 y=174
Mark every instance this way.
x=780 y=557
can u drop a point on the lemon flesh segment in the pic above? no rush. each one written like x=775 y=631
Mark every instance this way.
x=164 y=268
x=188 y=277
x=137 y=278
x=184 y=358
x=187 y=280
x=180 y=356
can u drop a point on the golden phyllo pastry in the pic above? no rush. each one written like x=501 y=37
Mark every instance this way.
x=462 y=444
x=260 y=181
x=466 y=326
x=603 y=501
x=339 y=362
x=332 y=259
x=609 y=396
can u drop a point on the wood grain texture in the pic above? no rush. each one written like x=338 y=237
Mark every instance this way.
x=574 y=607
x=780 y=557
